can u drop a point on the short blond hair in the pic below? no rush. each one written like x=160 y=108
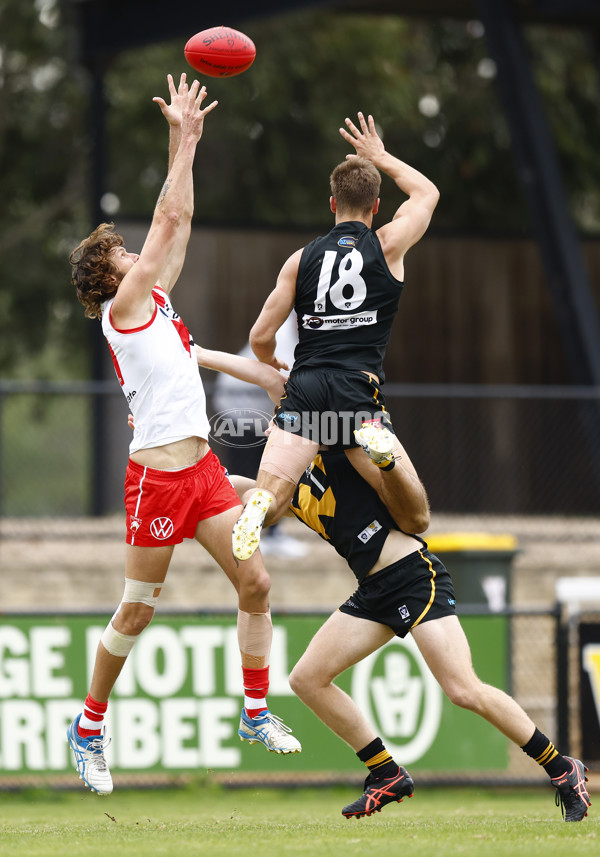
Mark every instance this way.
x=355 y=185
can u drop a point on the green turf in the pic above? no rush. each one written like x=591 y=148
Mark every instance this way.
x=272 y=823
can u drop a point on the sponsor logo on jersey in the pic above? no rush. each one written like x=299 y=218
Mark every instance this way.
x=347 y=241
x=331 y=322
x=313 y=322
x=369 y=531
x=287 y=418
x=162 y=528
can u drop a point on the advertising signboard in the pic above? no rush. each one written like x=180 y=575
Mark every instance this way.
x=177 y=703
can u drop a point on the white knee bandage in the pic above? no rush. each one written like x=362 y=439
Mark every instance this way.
x=115 y=643
x=136 y=591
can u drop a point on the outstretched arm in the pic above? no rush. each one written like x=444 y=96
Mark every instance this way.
x=244 y=369
x=414 y=215
x=173 y=114
x=133 y=304
x=275 y=311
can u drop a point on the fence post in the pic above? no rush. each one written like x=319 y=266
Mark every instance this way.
x=562 y=679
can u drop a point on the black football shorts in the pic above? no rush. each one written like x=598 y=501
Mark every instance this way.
x=327 y=405
x=416 y=589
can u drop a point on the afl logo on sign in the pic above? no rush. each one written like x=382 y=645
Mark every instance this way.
x=161 y=528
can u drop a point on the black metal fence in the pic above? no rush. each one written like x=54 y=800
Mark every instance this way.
x=478 y=449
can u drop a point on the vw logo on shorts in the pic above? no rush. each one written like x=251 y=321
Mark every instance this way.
x=162 y=528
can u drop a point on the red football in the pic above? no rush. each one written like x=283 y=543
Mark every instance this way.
x=220 y=52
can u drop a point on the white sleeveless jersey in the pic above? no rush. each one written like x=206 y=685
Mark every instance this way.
x=157 y=368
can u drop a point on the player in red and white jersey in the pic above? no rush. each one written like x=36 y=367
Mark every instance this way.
x=166 y=396
x=175 y=487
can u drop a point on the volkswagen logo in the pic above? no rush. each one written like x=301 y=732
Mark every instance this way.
x=162 y=528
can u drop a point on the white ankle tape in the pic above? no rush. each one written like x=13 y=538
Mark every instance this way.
x=115 y=643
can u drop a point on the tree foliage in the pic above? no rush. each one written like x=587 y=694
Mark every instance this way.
x=268 y=150
x=43 y=168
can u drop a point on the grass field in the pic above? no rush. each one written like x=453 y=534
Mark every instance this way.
x=271 y=823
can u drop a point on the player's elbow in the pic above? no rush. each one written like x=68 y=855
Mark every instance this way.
x=167 y=218
x=258 y=339
x=433 y=195
x=421 y=522
x=415 y=522
x=428 y=198
x=252 y=338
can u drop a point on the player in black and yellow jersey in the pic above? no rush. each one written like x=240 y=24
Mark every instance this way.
x=402 y=587
x=368 y=514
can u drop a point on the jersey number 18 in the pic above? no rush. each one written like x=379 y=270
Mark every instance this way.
x=349 y=290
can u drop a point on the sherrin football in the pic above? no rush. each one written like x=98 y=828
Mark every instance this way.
x=220 y=52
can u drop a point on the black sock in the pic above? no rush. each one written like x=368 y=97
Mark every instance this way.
x=545 y=754
x=378 y=760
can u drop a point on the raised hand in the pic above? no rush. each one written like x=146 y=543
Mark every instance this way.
x=192 y=116
x=366 y=141
x=173 y=111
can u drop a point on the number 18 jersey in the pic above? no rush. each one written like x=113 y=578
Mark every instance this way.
x=346 y=301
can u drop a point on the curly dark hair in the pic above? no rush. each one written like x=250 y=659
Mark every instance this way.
x=355 y=185
x=93 y=274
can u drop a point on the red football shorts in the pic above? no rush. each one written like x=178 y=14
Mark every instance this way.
x=164 y=506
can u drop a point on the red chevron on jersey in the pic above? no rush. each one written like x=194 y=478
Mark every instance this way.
x=116 y=365
x=184 y=334
x=180 y=327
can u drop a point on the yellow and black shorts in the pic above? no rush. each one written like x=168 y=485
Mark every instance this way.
x=416 y=589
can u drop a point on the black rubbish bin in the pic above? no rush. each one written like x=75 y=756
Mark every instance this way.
x=480 y=566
